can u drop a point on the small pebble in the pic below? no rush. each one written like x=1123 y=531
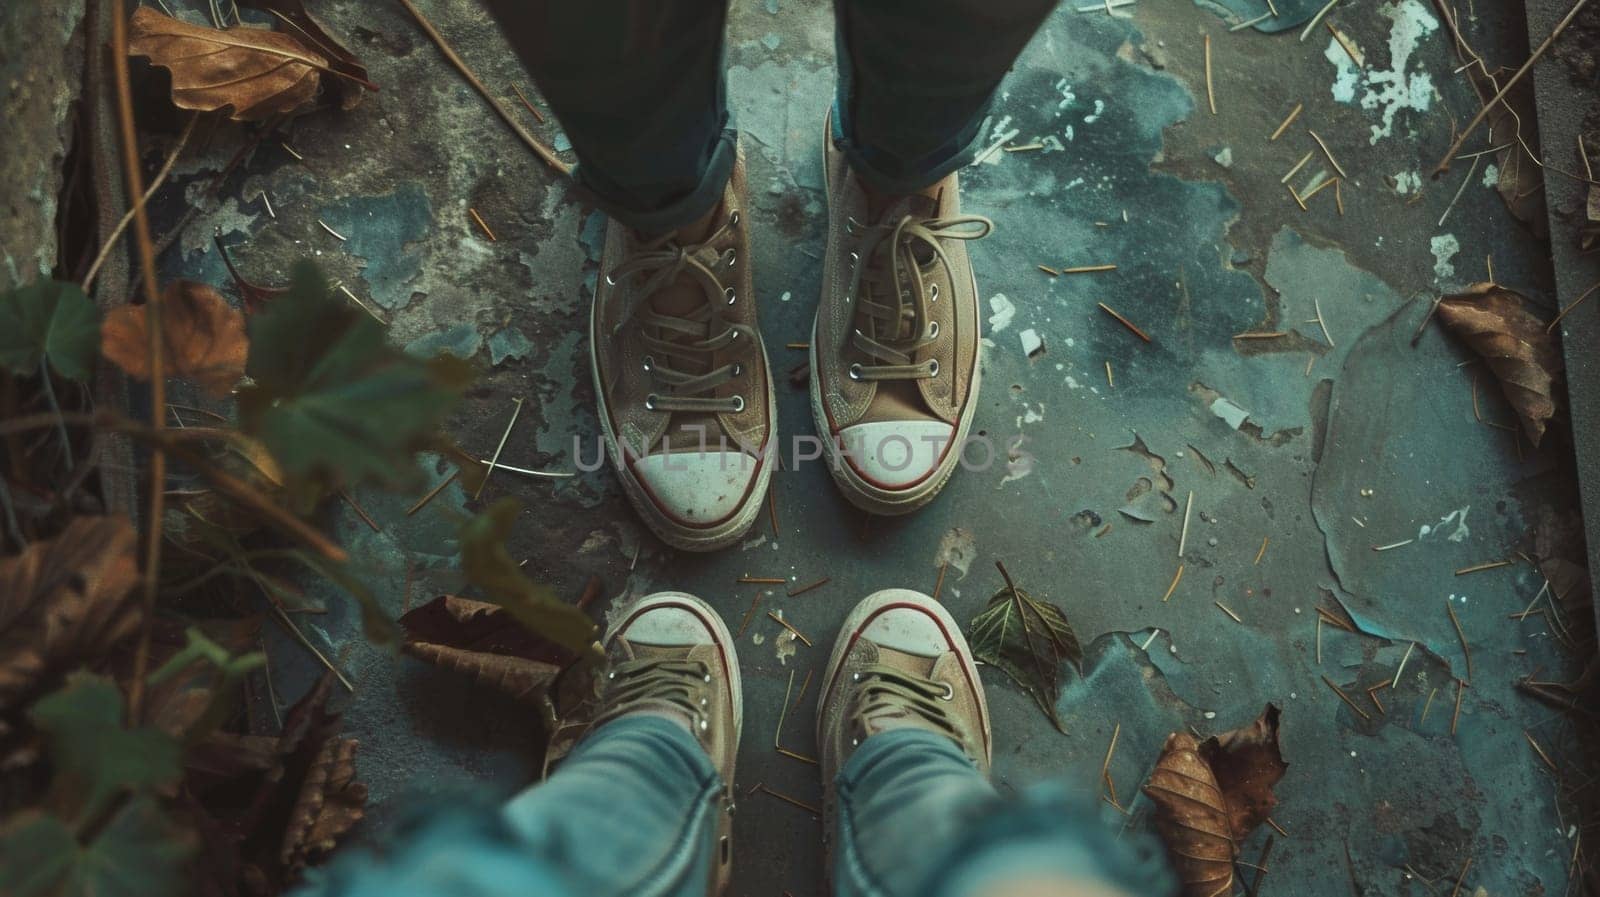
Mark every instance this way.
x=1212 y=541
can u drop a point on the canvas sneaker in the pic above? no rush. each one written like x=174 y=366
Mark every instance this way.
x=685 y=395
x=894 y=350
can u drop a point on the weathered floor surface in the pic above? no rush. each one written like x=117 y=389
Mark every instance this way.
x=1320 y=444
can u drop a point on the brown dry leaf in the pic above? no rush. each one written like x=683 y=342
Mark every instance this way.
x=485 y=642
x=299 y=21
x=1192 y=818
x=330 y=802
x=65 y=601
x=252 y=73
x=1495 y=323
x=203 y=338
x=1247 y=762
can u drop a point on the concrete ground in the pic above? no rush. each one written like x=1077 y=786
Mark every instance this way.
x=1318 y=445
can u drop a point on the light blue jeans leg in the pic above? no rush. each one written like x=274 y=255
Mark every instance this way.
x=632 y=811
x=916 y=819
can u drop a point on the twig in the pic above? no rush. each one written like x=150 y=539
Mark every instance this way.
x=537 y=115
x=1423 y=325
x=1319 y=641
x=789 y=626
x=1183 y=535
x=1346 y=698
x=483 y=224
x=1540 y=751
x=1053 y=272
x=1025 y=148
x=515 y=411
x=745 y=623
x=1551 y=328
x=340 y=237
x=1315 y=19
x=160 y=178
x=783 y=797
x=157 y=472
x=1088 y=269
x=804 y=589
x=551 y=474
x=1402 y=667
x=1461 y=688
x=362 y=305
x=1331 y=182
x=533 y=143
x=1426 y=704
x=1392 y=545
x=360 y=511
x=1297 y=166
x=1372 y=696
x=804 y=684
x=1263 y=551
x=783 y=710
x=432 y=493
x=1338 y=196
x=1111 y=382
x=772 y=510
x=939 y=583
x=1171 y=588
x=1224 y=609
x=1240 y=26
x=1325 y=151
x=1211 y=96
x=1444 y=163
x=1124 y=321
x=1293 y=114
x=1465 y=866
x=1465 y=648
x=1276 y=827
x=1480 y=567
x=794 y=756
x=1269 y=334
x=762 y=580
x=300 y=637
x=1345 y=43
x=1459 y=190
x=1105 y=767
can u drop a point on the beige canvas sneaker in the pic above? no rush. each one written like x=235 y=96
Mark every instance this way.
x=671 y=655
x=685 y=394
x=900 y=661
x=894 y=351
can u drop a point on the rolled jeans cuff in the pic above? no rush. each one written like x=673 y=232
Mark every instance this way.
x=887 y=175
x=616 y=202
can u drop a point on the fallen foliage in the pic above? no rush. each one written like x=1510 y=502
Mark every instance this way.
x=1495 y=323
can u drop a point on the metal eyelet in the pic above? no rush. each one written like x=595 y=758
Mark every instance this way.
x=729 y=257
x=650 y=402
x=855 y=258
x=933 y=329
x=704 y=724
x=738 y=404
x=737 y=369
x=733 y=218
x=933 y=294
x=648 y=362
x=707 y=677
x=933 y=367
x=610 y=281
x=855 y=677
x=730 y=295
x=949 y=692
x=855 y=371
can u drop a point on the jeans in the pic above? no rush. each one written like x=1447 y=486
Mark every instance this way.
x=638 y=86
x=632 y=812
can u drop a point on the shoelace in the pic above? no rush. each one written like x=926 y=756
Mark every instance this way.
x=682 y=348
x=892 y=320
x=885 y=690
x=679 y=683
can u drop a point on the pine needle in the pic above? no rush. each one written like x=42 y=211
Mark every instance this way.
x=1325 y=151
x=787 y=625
x=1211 y=96
x=1263 y=551
x=1124 y=322
x=1293 y=114
x=1170 y=589
x=1346 y=698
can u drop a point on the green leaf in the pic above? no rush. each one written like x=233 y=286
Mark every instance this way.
x=489 y=566
x=334 y=402
x=139 y=853
x=93 y=755
x=198 y=647
x=1029 y=641
x=49 y=319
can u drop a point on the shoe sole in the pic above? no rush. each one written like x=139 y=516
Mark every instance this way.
x=686 y=538
x=863 y=611
x=859 y=492
x=719 y=631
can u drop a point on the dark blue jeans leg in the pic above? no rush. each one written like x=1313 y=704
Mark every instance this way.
x=638 y=86
x=916 y=819
x=916 y=78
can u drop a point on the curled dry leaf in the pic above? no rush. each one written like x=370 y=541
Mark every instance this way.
x=203 y=338
x=483 y=641
x=65 y=601
x=1192 y=818
x=1512 y=125
x=329 y=804
x=252 y=73
x=1210 y=795
x=1496 y=324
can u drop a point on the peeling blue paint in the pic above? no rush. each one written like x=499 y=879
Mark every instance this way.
x=378 y=229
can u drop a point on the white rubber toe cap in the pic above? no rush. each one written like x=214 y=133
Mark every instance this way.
x=697 y=488
x=895 y=454
x=669 y=619
x=913 y=629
